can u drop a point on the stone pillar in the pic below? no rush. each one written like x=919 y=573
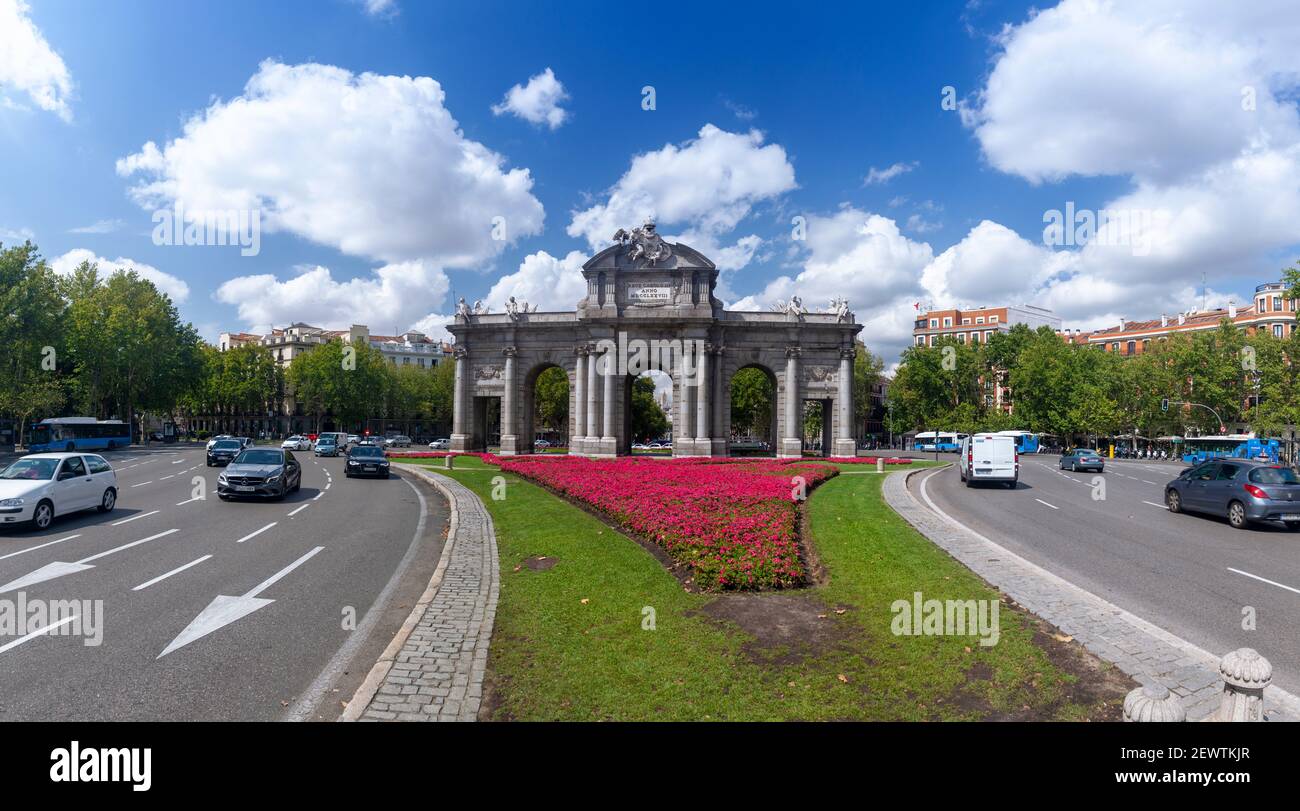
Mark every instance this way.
x=579 y=433
x=703 y=400
x=718 y=439
x=608 y=442
x=844 y=442
x=1153 y=703
x=792 y=433
x=1245 y=675
x=593 y=431
x=459 y=407
x=683 y=437
x=510 y=439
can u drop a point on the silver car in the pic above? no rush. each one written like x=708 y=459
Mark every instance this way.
x=1241 y=490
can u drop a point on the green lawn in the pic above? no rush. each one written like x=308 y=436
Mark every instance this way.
x=555 y=656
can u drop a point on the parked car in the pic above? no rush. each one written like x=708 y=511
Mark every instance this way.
x=542 y=443
x=38 y=487
x=1082 y=459
x=366 y=460
x=224 y=452
x=326 y=446
x=1241 y=490
x=440 y=444
x=399 y=441
x=296 y=443
x=988 y=458
x=260 y=473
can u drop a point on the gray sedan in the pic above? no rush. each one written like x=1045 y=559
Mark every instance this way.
x=1082 y=459
x=1241 y=490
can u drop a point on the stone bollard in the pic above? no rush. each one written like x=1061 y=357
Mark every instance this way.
x=1245 y=675
x=447 y=461
x=1153 y=703
x=880 y=465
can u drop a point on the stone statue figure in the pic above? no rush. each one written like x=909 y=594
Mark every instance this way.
x=840 y=306
x=462 y=309
x=512 y=309
x=479 y=308
x=792 y=307
x=646 y=243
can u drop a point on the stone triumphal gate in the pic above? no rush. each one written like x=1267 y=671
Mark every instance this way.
x=650 y=305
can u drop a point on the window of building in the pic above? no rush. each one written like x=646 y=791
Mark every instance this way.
x=961 y=337
x=993 y=319
x=1146 y=342
x=974 y=337
x=1130 y=348
x=1115 y=346
x=988 y=333
x=947 y=321
x=920 y=340
x=1277 y=304
x=1277 y=330
x=979 y=320
x=965 y=322
x=934 y=322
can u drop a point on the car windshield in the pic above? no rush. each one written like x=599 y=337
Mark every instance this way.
x=1274 y=475
x=366 y=450
x=227 y=445
x=260 y=457
x=326 y=441
x=37 y=469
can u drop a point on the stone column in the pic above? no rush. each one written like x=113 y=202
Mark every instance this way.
x=703 y=399
x=593 y=431
x=459 y=409
x=509 y=431
x=578 y=434
x=792 y=436
x=682 y=435
x=844 y=442
x=608 y=442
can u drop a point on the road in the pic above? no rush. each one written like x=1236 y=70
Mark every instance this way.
x=1189 y=574
x=216 y=610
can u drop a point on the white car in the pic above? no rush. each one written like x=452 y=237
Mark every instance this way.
x=38 y=487
x=296 y=443
x=439 y=444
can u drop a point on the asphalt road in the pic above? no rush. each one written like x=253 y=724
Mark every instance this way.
x=217 y=610
x=1189 y=574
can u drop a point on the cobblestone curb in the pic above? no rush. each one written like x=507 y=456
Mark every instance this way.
x=1146 y=652
x=433 y=669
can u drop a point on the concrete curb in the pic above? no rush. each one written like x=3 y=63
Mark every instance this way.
x=1144 y=651
x=418 y=677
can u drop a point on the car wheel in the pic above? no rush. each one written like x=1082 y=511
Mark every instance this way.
x=1237 y=515
x=1011 y=485
x=1173 y=501
x=109 y=501
x=44 y=515
x=209 y=463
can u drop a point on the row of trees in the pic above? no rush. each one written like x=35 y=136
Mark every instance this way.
x=104 y=346
x=1071 y=391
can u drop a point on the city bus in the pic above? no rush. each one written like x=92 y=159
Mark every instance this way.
x=1197 y=449
x=77 y=434
x=938 y=441
x=1026 y=442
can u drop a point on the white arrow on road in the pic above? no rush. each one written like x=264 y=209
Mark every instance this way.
x=60 y=568
x=225 y=609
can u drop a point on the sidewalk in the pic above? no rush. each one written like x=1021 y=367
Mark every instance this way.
x=1144 y=651
x=433 y=669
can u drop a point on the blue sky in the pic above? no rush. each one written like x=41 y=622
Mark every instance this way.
x=377 y=208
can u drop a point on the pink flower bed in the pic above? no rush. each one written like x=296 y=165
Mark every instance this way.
x=733 y=521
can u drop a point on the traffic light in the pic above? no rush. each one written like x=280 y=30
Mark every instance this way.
x=1164 y=404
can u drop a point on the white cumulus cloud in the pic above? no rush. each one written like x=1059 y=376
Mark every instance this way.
x=537 y=102
x=28 y=64
x=547 y=281
x=177 y=289
x=375 y=166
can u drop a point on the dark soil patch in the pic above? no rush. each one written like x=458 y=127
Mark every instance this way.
x=786 y=628
x=541 y=563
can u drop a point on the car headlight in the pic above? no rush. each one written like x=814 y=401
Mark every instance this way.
x=11 y=502
x=221 y=479
x=352 y=461
x=273 y=479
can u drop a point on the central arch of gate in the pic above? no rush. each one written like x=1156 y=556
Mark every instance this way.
x=650 y=306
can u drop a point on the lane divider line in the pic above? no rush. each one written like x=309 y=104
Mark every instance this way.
x=300 y=509
x=39 y=632
x=1264 y=580
x=1045 y=504
x=42 y=546
x=177 y=570
x=134 y=518
x=252 y=535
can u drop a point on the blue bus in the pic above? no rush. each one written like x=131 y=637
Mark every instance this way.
x=78 y=434
x=938 y=441
x=1026 y=442
x=1197 y=449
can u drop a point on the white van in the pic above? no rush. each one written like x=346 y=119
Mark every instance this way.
x=989 y=458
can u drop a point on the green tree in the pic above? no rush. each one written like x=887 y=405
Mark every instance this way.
x=551 y=401
x=31 y=342
x=648 y=419
x=752 y=395
x=350 y=381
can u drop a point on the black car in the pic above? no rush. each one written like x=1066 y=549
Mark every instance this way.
x=260 y=473
x=366 y=460
x=223 y=451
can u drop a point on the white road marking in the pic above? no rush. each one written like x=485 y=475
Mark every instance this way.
x=1153 y=504
x=1044 y=503
x=188 y=500
x=258 y=532
x=318 y=495
x=177 y=570
x=134 y=518
x=1264 y=580
x=60 y=568
x=165 y=478
x=40 y=631
x=142 y=484
x=300 y=509
x=179 y=462
x=42 y=546
x=224 y=610
x=327 y=485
